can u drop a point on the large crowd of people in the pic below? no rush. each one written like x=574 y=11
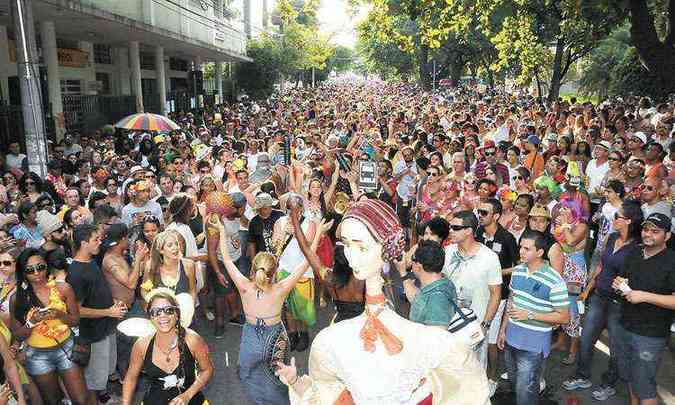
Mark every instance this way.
x=457 y=234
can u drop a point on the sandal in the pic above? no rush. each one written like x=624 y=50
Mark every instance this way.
x=569 y=359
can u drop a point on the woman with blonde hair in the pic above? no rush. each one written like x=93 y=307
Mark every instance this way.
x=168 y=268
x=264 y=341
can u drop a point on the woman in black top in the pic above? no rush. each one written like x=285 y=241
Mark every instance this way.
x=169 y=359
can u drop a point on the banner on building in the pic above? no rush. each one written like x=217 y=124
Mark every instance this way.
x=67 y=57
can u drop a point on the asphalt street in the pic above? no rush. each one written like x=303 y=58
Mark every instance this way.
x=226 y=389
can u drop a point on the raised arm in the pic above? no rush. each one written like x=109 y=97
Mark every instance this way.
x=240 y=281
x=310 y=255
x=289 y=282
x=333 y=185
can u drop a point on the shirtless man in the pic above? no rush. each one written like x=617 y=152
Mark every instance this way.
x=121 y=277
x=122 y=280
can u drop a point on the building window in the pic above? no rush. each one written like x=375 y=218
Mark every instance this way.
x=147 y=61
x=66 y=43
x=104 y=82
x=103 y=54
x=178 y=64
x=71 y=87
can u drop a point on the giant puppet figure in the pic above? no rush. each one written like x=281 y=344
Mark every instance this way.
x=379 y=357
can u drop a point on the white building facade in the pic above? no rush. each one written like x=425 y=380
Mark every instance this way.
x=99 y=56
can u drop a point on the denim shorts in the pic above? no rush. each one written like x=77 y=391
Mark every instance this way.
x=44 y=361
x=638 y=359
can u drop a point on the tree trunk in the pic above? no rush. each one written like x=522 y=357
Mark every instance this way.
x=424 y=66
x=457 y=65
x=556 y=76
x=657 y=56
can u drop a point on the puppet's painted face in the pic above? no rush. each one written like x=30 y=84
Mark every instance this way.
x=362 y=251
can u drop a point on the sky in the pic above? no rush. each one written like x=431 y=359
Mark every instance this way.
x=335 y=22
x=333 y=19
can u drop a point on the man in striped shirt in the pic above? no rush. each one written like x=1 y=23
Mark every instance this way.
x=538 y=301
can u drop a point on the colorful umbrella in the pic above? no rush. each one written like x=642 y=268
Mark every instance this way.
x=147 y=122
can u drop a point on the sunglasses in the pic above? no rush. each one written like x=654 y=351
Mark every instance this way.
x=518 y=177
x=36 y=269
x=489 y=153
x=619 y=216
x=649 y=188
x=614 y=159
x=150 y=176
x=457 y=228
x=155 y=312
x=6 y=263
x=483 y=213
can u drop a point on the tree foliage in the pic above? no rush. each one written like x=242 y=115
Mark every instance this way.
x=292 y=52
x=614 y=69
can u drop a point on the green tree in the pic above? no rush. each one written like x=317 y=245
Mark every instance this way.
x=614 y=69
x=341 y=59
x=257 y=78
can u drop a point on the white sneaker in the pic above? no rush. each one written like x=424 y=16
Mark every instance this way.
x=504 y=376
x=604 y=393
x=672 y=327
x=492 y=385
x=210 y=316
x=542 y=385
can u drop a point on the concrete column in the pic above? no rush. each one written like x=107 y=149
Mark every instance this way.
x=149 y=12
x=184 y=18
x=247 y=18
x=198 y=61
x=135 y=61
x=219 y=79
x=89 y=71
x=4 y=62
x=51 y=59
x=265 y=15
x=161 y=78
x=122 y=71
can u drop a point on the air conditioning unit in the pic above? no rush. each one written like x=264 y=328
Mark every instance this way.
x=94 y=86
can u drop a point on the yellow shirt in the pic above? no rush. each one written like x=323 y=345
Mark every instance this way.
x=52 y=332
x=7 y=335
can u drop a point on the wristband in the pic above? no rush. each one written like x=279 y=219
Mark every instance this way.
x=29 y=324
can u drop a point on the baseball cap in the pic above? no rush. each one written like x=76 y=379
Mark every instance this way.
x=534 y=140
x=48 y=222
x=659 y=220
x=114 y=234
x=264 y=200
x=604 y=144
x=135 y=169
x=640 y=135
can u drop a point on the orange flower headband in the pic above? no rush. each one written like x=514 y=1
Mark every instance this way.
x=101 y=174
x=139 y=186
